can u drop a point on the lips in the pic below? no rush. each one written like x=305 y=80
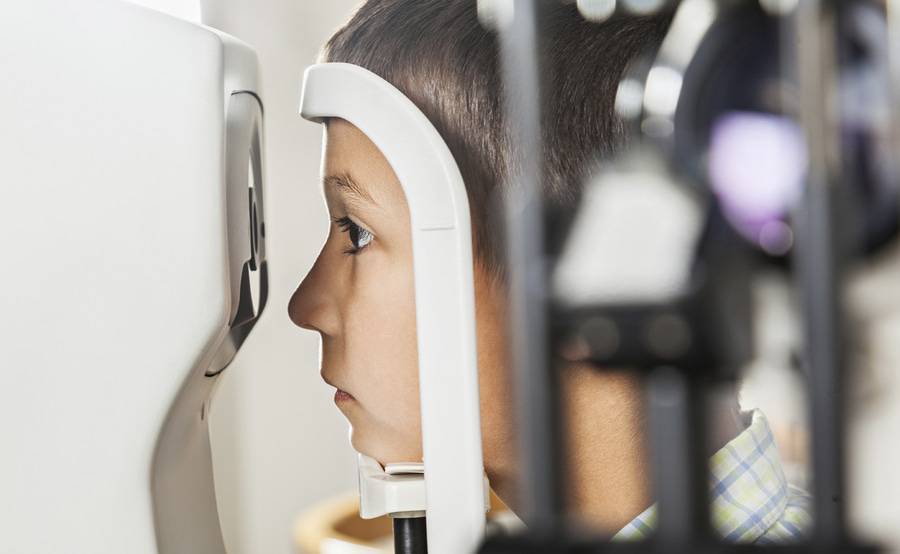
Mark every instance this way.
x=340 y=395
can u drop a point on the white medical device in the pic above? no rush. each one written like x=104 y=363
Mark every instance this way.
x=445 y=305
x=133 y=269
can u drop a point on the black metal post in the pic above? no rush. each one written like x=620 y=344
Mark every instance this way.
x=676 y=407
x=541 y=441
x=409 y=535
x=819 y=249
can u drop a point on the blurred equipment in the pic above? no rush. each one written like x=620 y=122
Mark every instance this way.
x=764 y=137
x=134 y=270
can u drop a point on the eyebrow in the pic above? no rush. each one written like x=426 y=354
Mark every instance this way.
x=345 y=183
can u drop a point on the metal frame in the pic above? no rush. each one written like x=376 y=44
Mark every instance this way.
x=541 y=447
x=676 y=424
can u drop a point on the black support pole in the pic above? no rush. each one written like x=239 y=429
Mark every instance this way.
x=541 y=440
x=819 y=252
x=676 y=418
x=409 y=535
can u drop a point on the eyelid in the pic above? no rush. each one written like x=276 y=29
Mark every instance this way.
x=351 y=227
x=347 y=219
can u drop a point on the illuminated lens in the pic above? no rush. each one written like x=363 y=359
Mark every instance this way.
x=757 y=168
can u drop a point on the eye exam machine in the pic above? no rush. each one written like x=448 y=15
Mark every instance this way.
x=765 y=131
x=134 y=268
x=450 y=490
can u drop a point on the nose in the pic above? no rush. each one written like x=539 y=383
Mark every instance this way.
x=297 y=310
x=311 y=305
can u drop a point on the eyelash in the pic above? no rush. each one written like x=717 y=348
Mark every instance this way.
x=347 y=225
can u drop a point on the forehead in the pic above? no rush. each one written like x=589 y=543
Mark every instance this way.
x=349 y=152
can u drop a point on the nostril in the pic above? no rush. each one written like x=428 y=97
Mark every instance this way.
x=299 y=322
x=305 y=325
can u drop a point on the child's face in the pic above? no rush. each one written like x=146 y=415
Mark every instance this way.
x=359 y=296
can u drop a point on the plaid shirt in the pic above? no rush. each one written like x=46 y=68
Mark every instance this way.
x=752 y=501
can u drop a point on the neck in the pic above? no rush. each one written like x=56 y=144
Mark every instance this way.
x=607 y=461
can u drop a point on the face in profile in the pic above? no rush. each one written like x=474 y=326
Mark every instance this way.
x=359 y=297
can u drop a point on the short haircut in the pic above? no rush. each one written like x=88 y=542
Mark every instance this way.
x=438 y=54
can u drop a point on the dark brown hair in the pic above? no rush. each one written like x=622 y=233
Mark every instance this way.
x=438 y=54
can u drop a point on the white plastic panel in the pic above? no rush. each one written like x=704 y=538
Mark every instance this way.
x=445 y=306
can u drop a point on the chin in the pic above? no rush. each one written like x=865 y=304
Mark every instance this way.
x=356 y=443
x=380 y=447
x=359 y=443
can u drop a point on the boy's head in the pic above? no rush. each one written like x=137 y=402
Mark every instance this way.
x=438 y=54
x=359 y=295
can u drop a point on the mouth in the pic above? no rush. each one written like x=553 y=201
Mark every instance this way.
x=340 y=395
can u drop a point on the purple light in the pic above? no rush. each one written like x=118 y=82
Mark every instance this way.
x=757 y=169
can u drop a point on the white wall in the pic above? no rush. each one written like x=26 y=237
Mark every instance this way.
x=185 y=9
x=280 y=444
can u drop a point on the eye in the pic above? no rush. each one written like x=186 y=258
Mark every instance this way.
x=359 y=237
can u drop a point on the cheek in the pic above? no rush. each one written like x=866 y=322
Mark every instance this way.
x=380 y=341
x=495 y=381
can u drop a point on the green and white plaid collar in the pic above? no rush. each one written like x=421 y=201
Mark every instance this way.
x=751 y=498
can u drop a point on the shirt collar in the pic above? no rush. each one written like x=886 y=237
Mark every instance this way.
x=747 y=485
